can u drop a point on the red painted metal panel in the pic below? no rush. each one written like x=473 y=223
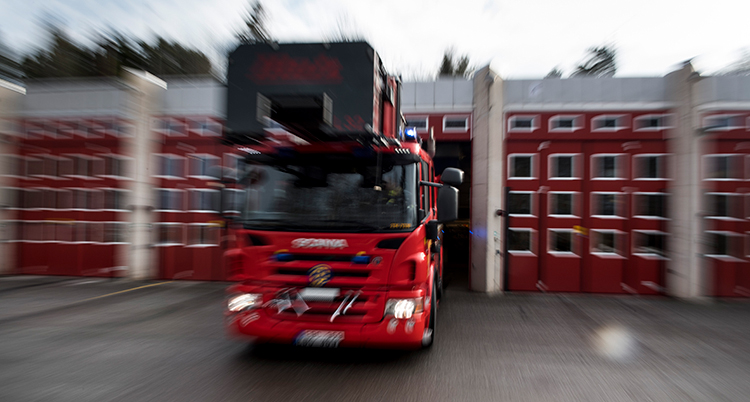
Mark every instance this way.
x=592 y=265
x=605 y=274
x=33 y=259
x=202 y=262
x=561 y=273
x=724 y=277
x=645 y=275
x=523 y=275
x=65 y=259
x=742 y=285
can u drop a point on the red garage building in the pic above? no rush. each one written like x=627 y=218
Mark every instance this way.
x=604 y=185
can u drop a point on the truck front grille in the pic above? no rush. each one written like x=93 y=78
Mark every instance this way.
x=367 y=307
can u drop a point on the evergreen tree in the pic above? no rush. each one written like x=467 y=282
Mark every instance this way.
x=255 y=29
x=600 y=62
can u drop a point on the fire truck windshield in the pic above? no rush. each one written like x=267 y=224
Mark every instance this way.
x=330 y=197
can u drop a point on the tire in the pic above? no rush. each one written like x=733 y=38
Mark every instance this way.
x=428 y=339
x=440 y=289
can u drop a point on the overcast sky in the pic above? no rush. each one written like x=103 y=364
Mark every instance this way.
x=520 y=38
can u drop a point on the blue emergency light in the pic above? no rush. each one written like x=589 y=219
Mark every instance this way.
x=410 y=133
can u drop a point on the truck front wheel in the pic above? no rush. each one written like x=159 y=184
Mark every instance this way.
x=428 y=338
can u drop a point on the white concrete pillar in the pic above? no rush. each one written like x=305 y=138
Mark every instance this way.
x=145 y=96
x=10 y=97
x=486 y=271
x=685 y=276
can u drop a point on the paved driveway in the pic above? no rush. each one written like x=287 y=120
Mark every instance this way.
x=73 y=339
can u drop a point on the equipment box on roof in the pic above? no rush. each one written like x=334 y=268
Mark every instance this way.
x=318 y=91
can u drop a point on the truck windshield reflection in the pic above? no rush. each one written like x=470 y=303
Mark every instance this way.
x=333 y=197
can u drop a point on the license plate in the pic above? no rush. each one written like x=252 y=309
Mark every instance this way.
x=319 y=294
x=319 y=339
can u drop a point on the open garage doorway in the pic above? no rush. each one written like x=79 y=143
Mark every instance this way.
x=456 y=247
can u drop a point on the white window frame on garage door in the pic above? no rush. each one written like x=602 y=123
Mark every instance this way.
x=157 y=234
x=573 y=243
x=715 y=122
x=650 y=254
x=664 y=120
x=419 y=128
x=211 y=229
x=118 y=195
x=732 y=256
x=734 y=206
x=192 y=192
x=532 y=204
x=575 y=166
x=533 y=167
x=636 y=205
x=182 y=206
x=532 y=242
x=116 y=232
x=661 y=167
x=205 y=127
x=619 y=238
x=620 y=122
x=200 y=164
x=123 y=164
x=577 y=123
x=618 y=205
x=171 y=157
x=620 y=169
x=534 y=123
x=574 y=207
x=465 y=118
x=734 y=168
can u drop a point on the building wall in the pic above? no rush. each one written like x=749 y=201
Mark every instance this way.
x=10 y=97
x=722 y=113
x=583 y=201
x=188 y=230
x=71 y=198
x=113 y=176
x=444 y=106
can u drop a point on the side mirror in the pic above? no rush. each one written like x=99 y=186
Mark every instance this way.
x=452 y=177
x=447 y=204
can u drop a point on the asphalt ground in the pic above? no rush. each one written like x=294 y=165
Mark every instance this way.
x=83 y=339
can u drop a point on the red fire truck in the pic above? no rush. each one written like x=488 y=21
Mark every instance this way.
x=338 y=235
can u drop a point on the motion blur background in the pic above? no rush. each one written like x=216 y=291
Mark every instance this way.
x=606 y=149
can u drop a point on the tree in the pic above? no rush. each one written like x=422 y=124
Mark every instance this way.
x=171 y=58
x=255 y=29
x=451 y=67
x=554 y=73
x=65 y=58
x=600 y=62
x=10 y=68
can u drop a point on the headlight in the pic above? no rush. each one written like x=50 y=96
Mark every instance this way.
x=244 y=301
x=403 y=308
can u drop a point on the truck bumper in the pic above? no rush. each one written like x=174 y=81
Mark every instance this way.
x=391 y=333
